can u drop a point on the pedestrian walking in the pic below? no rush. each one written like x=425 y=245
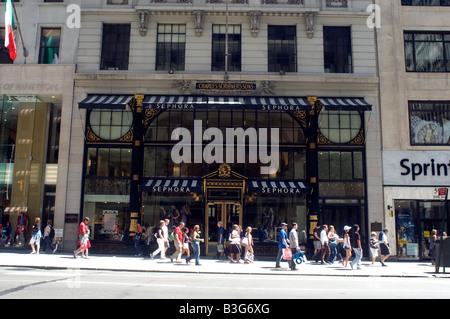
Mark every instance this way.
x=384 y=246
x=186 y=242
x=160 y=240
x=293 y=242
x=196 y=240
x=347 y=246
x=165 y=229
x=220 y=239
x=332 y=243
x=137 y=240
x=357 y=248
x=84 y=243
x=235 y=242
x=49 y=234
x=283 y=243
x=432 y=241
x=178 y=242
x=316 y=243
x=35 y=241
x=82 y=229
x=325 y=250
x=373 y=245
x=248 y=241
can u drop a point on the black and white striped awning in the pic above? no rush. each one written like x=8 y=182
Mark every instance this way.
x=98 y=101
x=174 y=101
x=279 y=103
x=272 y=186
x=171 y=185
x=226 y=101
x=345 y=104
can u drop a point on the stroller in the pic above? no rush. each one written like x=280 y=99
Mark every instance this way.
x=299 y=258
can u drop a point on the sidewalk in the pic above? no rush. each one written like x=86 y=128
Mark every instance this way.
x=214 y=266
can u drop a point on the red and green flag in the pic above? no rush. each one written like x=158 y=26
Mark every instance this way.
x=9 y=27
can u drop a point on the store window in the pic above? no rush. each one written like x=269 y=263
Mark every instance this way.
x=340 y=126
x=337 y=49
x=170 y=47
x=265 y=214
x=282 y=48
x=429 y=122
x=427 y=51
x=115 y=46
x=110 y=124
x=218 y=48
x=107 y=191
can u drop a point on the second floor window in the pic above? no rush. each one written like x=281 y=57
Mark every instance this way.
x=49 y=48
x=337 y=47
x=218 y=48
x=115 y=47
x=171 y=45
x=282 y=48
x=427 y=52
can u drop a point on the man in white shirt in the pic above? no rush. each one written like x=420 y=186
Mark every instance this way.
x=325 y=251
x=293 y=242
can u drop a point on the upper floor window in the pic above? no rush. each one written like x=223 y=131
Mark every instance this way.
x=425 y=2
x=4 y=52
x=282 y=50
x=429 y=122
x=115 y=47
x=218 y=48
x=427 y=51
x=171 y=45
x=337 y=49
x=49 y=46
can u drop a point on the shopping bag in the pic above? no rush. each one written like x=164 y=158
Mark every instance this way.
x=249 y=256
x=287 y=254
x=220 y=248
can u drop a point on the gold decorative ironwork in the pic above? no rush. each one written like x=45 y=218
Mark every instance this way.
x=150 y=114
x=359 y=139
x=127 y=137
x=300 y=116
x=90 y=135
x=224 y=171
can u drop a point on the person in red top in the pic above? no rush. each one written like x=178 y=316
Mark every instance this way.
x=178 y=243
x=82 y=229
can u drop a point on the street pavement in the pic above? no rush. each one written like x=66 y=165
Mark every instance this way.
x=213 y=266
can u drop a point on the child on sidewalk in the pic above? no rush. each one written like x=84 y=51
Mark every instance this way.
x=84 y=245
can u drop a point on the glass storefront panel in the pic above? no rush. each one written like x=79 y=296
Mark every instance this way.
x=29 y=140
x=156 y=207
x=265 y=214
x=414 y=222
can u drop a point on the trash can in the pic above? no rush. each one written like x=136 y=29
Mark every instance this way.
x=442 y=254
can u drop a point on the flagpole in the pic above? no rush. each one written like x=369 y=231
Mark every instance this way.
x=25 y=51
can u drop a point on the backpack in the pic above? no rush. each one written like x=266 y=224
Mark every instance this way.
x=172 y=236
x=51 y=235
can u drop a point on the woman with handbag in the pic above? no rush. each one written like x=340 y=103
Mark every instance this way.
x=36 y=237
x=247 y=242
x=347 y=246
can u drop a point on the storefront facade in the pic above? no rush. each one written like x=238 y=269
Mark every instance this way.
x=132 y=174
x=415 y=183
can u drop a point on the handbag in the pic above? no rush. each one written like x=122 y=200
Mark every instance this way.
x=287 y=254
x=244 y=241
x=220 y=248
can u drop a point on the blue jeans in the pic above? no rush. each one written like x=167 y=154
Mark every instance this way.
x=333 y=252
x=196 y=253
x=358 y=256
x=47 y=241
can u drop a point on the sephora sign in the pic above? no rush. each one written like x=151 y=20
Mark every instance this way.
x=416 y=168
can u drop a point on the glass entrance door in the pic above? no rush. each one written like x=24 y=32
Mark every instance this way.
x=228 y=213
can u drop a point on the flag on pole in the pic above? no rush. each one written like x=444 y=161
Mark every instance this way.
x=9 y=27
